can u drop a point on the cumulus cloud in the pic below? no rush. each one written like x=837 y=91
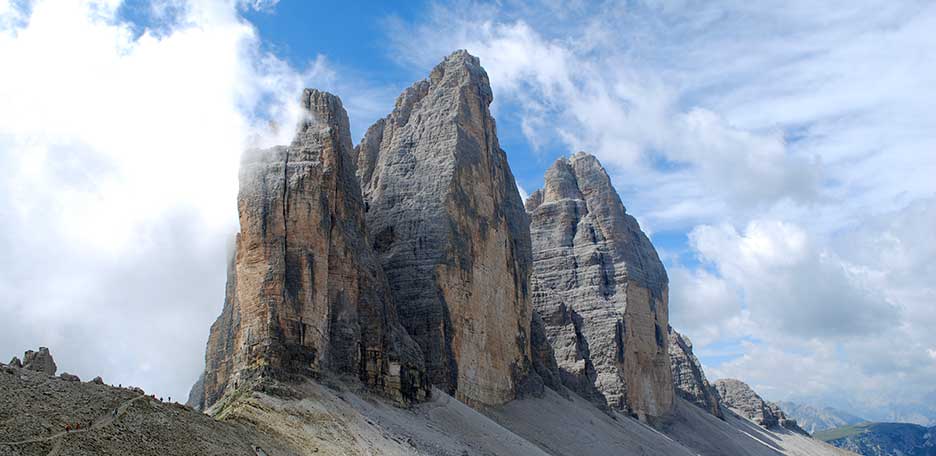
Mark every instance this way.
x=787 y=279
x=709 y=308
x=120 y=150
x=849 y=318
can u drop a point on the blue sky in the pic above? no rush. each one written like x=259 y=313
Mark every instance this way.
x=780 y=155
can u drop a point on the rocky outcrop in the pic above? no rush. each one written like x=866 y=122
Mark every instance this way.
x=15 y=362
x=601 y=290
x=305 y=293
x=738 y=396
x=447 y=222
x=196 y=397
x=39 y=361
x=688 y=376
x=69 y=377
x=97 y=380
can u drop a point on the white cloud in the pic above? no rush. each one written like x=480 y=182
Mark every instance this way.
x=705 y=306
x=120 y=153
x=849 y=318
x=790 y=281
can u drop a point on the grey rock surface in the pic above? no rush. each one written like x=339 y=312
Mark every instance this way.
x=97 y=380
x=69 y=377
x=39 y=361
x=196 y=397
x=688 y=376
x=15 y=362
x=738 y=396
x=601 y=290
x=305 y=293
x=448 y=224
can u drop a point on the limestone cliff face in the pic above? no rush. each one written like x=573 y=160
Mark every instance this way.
x=688 y=377
x=305 y=293
x=447 y=221
x=740 y=398
x=601 y=290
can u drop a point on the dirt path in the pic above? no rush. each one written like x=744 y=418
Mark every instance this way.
x=98 y=423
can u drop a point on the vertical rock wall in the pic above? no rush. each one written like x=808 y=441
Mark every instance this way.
x=601 y=291
x=447 y=221
x=305 y=292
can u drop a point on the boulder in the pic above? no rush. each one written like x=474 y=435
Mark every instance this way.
x=69 y=377
x=40 y=361
x=601 y=290
x=97 y=380
x=15 y=362
x=448 y=225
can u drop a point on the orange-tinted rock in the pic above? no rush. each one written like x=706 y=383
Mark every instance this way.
x=305 y=293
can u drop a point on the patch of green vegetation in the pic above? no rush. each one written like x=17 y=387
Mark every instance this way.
x=829 y=435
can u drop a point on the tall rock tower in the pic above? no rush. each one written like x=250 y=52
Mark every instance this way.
x=601 y=291
x=305 y=292
x=448 y=224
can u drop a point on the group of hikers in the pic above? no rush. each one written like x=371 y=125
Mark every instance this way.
x=77 y=426
x=74 y=426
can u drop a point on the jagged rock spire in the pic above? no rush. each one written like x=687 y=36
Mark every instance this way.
x=305 y=293
x=601 y=290
x=688 y=376
x=448 y=224
x=741 y=399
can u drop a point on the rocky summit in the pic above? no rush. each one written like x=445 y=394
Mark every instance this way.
x=743 y=400
x=448 y=226
x=688 y=376
x=39 y=361
x=601 y=290
x=305 y=293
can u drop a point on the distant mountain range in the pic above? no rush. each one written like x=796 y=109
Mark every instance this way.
x=813 y=418
x=883 y=439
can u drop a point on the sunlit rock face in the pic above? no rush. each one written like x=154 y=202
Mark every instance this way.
x=688 y=376
x=601 y=290
x=448 y=224
x=305 y=293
